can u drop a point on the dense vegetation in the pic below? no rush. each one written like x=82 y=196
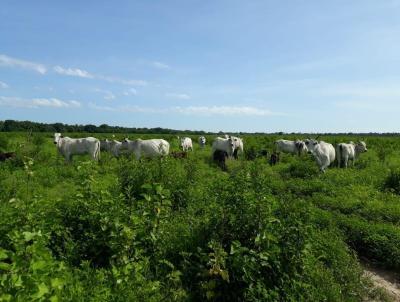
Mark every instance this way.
x=183 y=230
x=29 y=126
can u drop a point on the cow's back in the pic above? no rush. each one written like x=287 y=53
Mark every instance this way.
x=153 y=147
x=328 y=150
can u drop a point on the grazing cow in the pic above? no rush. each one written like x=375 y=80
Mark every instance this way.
x=293 y=147
x=351 y=151
x=274 y=159
x=186 y=144
x=178 y=154
x=69 y=147
x=238 y=142
x=146 y=148
x=105 y=145
x=6 y=155
x=219 y=157
x=251 y=153
x=223 y=144
x=115 y=147
x=324 y=153
x=202 y=141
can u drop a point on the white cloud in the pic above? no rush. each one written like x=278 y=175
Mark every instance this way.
x=3 y=85
x=74 y=72
x=179 y=96
x=102 y=108
x=107 y=95
x=129 y=92
x=194 y=110
x=225 y=110
x=37 y=102
x=122 y=81
x=13 y=62
x=160 y=65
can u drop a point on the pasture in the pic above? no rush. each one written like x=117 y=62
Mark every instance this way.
x=181 y=229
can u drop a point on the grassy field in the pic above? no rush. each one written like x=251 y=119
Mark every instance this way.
x=183 y=230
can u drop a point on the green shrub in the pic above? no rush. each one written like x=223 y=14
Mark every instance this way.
x=302 y=169
x=392 y=181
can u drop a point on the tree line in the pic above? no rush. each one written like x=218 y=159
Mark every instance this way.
x=12 y=126
x=18 y=126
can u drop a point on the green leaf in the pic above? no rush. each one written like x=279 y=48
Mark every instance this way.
x=3 y=254
x=54 y=299
x=146 y=186
x=5 y=266
x=39 y=265
x=5 y=297
x=28 y=236
x=42 y=290
x=57 y=283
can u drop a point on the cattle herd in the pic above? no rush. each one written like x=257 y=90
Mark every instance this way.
x=221 y=149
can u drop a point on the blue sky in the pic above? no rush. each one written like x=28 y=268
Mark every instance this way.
x=287 y=65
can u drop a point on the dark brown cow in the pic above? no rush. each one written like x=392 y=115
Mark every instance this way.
x=274 y=159
x=219 y=158
x=177 y=154
x=7 y=155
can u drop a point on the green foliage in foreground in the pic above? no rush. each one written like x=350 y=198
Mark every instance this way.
x=182 y=230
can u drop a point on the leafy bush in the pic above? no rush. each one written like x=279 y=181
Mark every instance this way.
x=392 y=181
x=301 y=169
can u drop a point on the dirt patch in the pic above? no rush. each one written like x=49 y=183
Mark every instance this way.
x=387 y=280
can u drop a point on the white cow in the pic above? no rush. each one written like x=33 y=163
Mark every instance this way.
x=223 y=144
x=238 y=142
x=293 y=147
x=146 y=148
x=112 y=146
x=351 y=151
x=115 y=147
x=186 y=144
x=324 y=153
x=104 y=145
x=74 y=146
x=202 y=141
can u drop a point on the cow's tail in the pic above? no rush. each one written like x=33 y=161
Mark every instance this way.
x=340 y=155
x=97 y=151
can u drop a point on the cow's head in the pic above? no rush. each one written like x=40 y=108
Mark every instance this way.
x=231 y=145
x=57 y=137
x=301 y=146
x=125 y=142
x=311 y=145
x=361 y=147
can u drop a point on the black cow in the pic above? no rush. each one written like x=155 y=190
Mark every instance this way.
x=274 y=159
x=7 y=155
x=219 y=157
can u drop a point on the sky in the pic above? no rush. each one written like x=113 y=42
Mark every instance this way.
x=253 y=66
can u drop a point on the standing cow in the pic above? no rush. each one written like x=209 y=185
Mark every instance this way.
x=324 y=153
x=238 y=142
x=202 y=141
x=146 y=148
x=68 y=147
x=186 y=144
x=351 y=151
x=223 y=144
x=105 y=145
x=294 y=147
